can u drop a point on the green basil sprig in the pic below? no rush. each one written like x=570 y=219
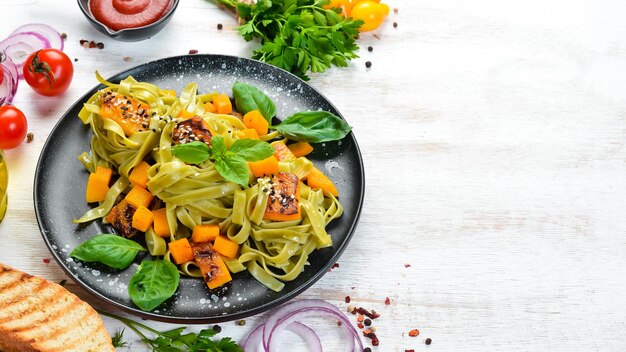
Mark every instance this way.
x=231 y=164
x=314 y=126
x=248 y=98
x=112 y=250
x=153 y=283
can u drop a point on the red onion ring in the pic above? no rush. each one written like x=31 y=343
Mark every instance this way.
x=19 y=46
x=285 y=318
x=48 y=33
x=9 y=83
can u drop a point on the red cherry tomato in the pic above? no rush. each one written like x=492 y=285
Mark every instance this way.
x=371 y=12
x=49 y=72
x=13 y=127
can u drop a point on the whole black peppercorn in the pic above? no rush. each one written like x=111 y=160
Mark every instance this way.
x=220 y=26
x=367 y=322
x=367 y=349
x=368 y=64
x=100 y=45
x=217 y=328
x=395 y=25
x=428 y=341
x=370 y=48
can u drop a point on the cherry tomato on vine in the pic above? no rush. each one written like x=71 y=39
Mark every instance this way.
x=371 y=12
x=13 y=127
x=49 y=72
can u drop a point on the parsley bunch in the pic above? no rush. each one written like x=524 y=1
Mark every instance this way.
x=298 y=35
x=174 y=340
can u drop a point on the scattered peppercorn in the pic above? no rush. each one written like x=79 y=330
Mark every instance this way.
x=241 y=322
x=100 y=45
x=75 y=59
x=193 y=52
x=347 y=299
x=395 y=10
x=367 y=322
x=370 y=48
x=373 y=328
x=220 y=26
x=217 y=328
x=409 y=350
x=63 y=282
x=387 y=301
x=64 y=36
x=407 y=265
x=338 y=322
x=414 y=333
x=395 y=25
x=128 y=59
x=428 y=341
x=29 y=137
x=46 y=260
x=92 y=44
x=368 y=64
x=367 y=349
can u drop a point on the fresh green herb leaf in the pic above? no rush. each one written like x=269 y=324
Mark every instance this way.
x=153 y=283
x=252 y=150
x=218 y=146
x=112 y=250
x=175 y=341
x=314 y=126
x=192 y=153
x=248 y=98
x=298 y=36
x=233 y=168
x=118 y=339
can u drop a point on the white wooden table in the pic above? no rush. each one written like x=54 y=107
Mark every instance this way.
x=493 y=139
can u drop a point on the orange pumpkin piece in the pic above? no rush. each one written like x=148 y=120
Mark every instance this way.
x=130 y=114
x=226 y=247
x=300 y=149
x=160 y=224
x=282 y=153
x=121 y=218
x=139 y=175
x=209 y=107
x=139 y=196
x=222 y=104
x=249 y=133
x=284 y=202
x=142 y=219
x=205 y=233
x=254 y=119
x=106 y=172
x=317 y=180
x=97 y=188
x=265 y=167
x=186 y=114
x=180 y=250
x=211 y=265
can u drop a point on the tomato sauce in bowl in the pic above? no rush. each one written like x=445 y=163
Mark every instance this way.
x=125 y=14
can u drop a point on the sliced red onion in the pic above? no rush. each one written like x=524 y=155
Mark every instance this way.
x=308 y=335
x=50 y=34
x=19 y=46
x=8 y=87
x=285 y=319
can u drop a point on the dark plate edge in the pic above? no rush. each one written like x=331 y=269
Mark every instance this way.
x=243 y=314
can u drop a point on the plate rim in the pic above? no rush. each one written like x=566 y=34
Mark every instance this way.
x=197 y=320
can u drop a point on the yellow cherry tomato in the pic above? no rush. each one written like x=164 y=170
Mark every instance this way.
x=371 y=12
x=344 y=5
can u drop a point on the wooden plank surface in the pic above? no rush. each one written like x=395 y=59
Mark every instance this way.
x=493 y=139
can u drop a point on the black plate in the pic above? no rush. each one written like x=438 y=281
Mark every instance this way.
x=60 y=182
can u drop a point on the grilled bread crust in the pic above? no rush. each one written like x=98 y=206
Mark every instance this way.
x=37 y=315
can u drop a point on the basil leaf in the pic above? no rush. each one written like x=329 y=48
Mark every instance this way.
x=314 y=126
x=252 y=150
x=248 y=98
x=218 y=146
x=233 y=168
x=112 y=250
x=191 y=153
x=153 y=283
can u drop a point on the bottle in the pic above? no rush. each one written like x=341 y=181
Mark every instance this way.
x=4 y=180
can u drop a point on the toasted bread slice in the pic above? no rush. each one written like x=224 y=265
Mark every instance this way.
x=37 y=315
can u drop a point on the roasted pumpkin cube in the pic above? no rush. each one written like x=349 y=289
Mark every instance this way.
x=283 y=203
x=211 y=265
x=192 y=130
x=121 y=218
x=130 y=114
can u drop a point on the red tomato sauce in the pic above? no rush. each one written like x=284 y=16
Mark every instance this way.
x=123 y=14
